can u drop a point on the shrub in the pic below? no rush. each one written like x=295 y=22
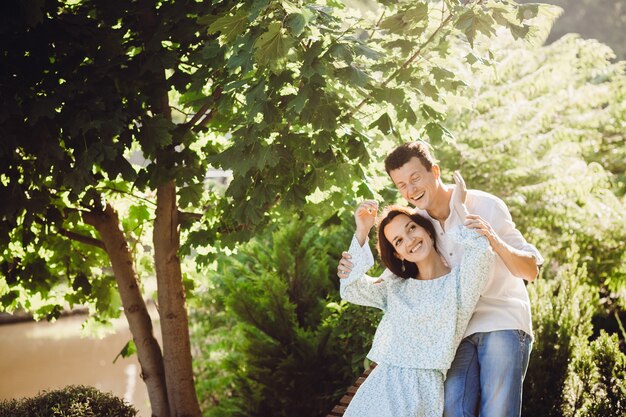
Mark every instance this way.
x=270 y=335
x=562 y=308
x=71 y=401
x=596 y=382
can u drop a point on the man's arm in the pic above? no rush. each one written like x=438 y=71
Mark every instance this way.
x=521 y=264
x=520 y=258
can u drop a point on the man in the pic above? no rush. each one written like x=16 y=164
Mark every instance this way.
x=488 y=371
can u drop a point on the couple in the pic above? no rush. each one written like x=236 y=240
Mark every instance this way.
x=455 y=303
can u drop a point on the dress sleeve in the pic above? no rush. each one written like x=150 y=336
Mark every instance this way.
x=473 y=272
x=359 y=288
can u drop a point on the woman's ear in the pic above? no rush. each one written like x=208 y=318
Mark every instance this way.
x=397 y=255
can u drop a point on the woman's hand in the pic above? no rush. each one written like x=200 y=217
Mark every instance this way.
x=458 y=196
x=365 y=217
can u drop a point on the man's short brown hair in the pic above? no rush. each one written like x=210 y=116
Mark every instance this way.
x=403 y=154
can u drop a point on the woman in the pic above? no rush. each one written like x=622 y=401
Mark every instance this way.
x=426 y=307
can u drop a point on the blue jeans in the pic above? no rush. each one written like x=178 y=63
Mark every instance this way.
x=487 y=375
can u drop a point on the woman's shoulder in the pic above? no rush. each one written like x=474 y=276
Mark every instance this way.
x=390 y=277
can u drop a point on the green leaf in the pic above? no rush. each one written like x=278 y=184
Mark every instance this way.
x=296 y=23
x=413 y=20
x=417 y=14
x=395 y=96
x=326 y=116
x=430 y=113
x=155 y=134
x=290 y=7
x=341 y=51
x=267 y=157
x=190 y=194
x=437 y=134
x=470 y=23
x=383 y=123
x=366 y=51
x=127 y=351
x=258 y=6
x=137 y=215
x=271 y=47
x=364 y=190
x=405 y=45
x=441 y=73
x=527 y=11
x=296 y=196
x=8 y=298
x=343 y=176
x=406 y=112
x=230 y=26
x=519 y=32
x=297 y=104
x=354 y=75
x=81 y=281
x=430 y=90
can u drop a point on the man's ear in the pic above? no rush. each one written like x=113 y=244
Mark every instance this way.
x=435 y=170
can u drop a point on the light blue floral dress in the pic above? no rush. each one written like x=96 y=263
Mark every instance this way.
x=422 y=325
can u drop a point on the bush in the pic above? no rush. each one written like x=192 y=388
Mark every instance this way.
x=71 y=401
x=596 y=383
x=270 y=334
x=562 y=308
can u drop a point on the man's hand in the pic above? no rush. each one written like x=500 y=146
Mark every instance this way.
x=474 y=221
x=459 y=194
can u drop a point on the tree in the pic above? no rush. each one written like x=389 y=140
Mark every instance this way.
x=285 y=95
x=603 y=20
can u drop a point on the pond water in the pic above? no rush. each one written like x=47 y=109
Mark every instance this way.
x=44 y=356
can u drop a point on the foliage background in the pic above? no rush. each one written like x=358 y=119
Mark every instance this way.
x=298 y=102
x=541 y=127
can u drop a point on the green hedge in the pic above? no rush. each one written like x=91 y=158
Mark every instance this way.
x=71 y=401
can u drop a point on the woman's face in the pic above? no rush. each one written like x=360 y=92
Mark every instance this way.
x=410 y=241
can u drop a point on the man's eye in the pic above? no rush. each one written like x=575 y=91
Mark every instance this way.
x=412 y=227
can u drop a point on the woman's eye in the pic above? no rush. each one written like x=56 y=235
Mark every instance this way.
x=412 y=227
x=398 y=242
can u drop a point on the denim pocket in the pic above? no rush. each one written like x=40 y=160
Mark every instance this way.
x=523 y=336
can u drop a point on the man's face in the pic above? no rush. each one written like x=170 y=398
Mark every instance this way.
x=417 y=185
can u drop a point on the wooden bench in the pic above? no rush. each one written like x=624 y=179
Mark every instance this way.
x=340 y=408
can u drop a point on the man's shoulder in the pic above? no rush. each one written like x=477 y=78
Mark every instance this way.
x=482 y=196
x=484 y=203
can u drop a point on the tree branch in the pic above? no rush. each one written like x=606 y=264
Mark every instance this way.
x=184 y=215
x=408 y=62
x=129 y=194
x=205 y=108
x=82 y=238
x=202 y=117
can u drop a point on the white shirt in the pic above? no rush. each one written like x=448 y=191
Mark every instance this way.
x=504 y=303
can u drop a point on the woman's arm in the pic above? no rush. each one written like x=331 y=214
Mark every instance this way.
x=358 y=288
x=355 y=286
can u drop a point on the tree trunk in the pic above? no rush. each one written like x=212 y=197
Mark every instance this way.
x=172 y=309
x=108 y=226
